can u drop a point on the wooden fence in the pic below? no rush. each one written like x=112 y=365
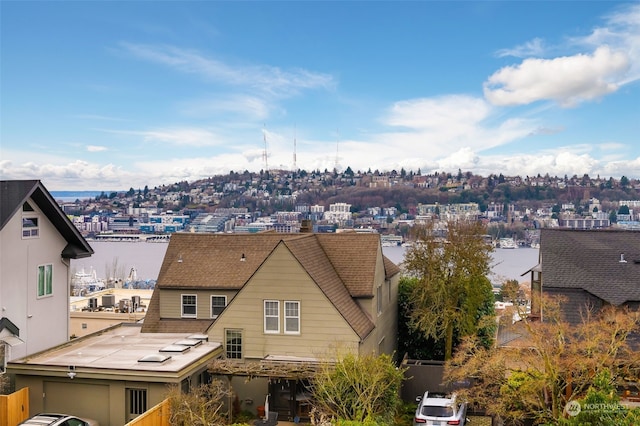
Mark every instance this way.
x=155 y=416
x=14 y=408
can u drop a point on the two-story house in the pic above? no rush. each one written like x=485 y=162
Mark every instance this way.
x=37 y=243
x=278 y=298
x=588 y=269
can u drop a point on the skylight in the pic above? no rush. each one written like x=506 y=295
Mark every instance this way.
x=157 y=358
x=203 y=337
x=188 y=342
x=175 y=348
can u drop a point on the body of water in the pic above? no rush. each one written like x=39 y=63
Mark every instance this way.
x=146 y=258
x=507 y=264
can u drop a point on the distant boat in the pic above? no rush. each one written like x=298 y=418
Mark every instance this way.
x=391 y=240
x=507 y=243
x=83 y=282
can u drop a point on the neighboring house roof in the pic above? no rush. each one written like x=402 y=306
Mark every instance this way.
x=605 y=263
x=14 y=193
x=342 y=265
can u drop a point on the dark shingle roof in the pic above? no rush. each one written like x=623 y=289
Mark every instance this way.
x=14 y=193
x=342 y=265
x=591 y=260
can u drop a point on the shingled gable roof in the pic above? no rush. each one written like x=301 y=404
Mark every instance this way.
x=591 y=260
x=354 y=257
x=312 y=258
x=213 y=261
x=200 y=260
x=14 y=193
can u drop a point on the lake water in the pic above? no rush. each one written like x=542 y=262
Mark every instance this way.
x=507 y=264
x=147 y=258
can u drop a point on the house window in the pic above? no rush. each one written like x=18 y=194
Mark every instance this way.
x=272 y=316
x=189 y=305
x=292 y=317
x=45 y=280
x=137 y=401
x=379 y=298
x=233 y=343
x=30 y=227
x=218 y=303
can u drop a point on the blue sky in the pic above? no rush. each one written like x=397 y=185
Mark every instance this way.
x=113 y=95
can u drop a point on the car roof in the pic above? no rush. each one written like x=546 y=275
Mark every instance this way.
x=44 y=419
x=440 y=402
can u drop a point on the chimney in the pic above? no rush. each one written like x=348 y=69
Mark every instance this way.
x=306 y=227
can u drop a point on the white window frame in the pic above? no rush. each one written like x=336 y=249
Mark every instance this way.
x=29 y=232
x=45 y=278
x=233 y=333
x=195 y=305
x=270 y=315
x=217 y=296
x=288 y=316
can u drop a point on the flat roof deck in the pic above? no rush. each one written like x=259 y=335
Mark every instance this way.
x=120 y=348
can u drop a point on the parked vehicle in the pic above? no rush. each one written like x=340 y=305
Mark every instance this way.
x=52 y=419
x=437 y=409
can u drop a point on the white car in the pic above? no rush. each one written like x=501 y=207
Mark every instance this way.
x=52 y=419
x=437 y=409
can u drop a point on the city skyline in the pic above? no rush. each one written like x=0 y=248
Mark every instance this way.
x=112 y=95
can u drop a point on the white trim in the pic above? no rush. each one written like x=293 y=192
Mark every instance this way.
x=214 y=316
x=265 y=316
x=32 y=231
x=182 y=305
x=286 y=317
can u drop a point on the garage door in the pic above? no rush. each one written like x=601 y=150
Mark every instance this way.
x=79 y=399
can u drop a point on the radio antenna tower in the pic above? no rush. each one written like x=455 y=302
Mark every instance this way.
x=264 y=153
x=337 y=164
x=295 y=166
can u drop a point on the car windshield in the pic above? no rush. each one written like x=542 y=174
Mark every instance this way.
x=437 y=411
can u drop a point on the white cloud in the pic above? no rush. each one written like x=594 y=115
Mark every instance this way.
x=534 y=47
x=438 y=113
x=321 y=155
x=567 y=80
x=72 y=175
x=610 y=59
x=95 y=148
x=248 y=107
x=265 y=78
x=435 y=127
x=97 y=117
x=195 y=137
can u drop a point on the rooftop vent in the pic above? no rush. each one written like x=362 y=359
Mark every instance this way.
x=157 y=358
x=622 y=258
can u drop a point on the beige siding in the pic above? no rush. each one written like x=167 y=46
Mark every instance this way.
x=322 y=328
x=384 y=337
x=171 y=302
x=64 y=395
